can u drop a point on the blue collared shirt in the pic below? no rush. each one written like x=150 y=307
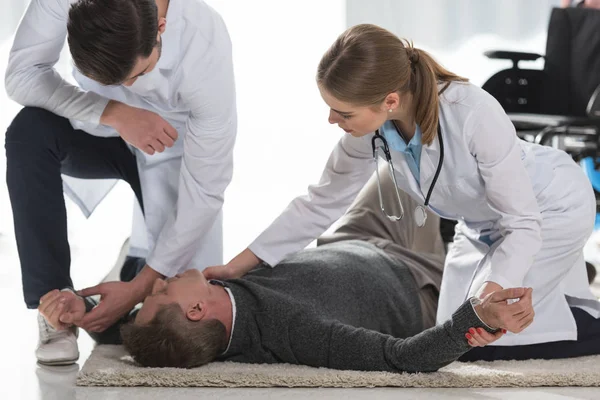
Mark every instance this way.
x=412 y=150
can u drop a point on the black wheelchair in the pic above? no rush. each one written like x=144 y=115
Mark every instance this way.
x=558 y=106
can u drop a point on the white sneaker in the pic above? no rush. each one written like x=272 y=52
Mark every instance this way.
x=56 y=347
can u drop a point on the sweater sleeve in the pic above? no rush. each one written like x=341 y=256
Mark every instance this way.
x=329 y=343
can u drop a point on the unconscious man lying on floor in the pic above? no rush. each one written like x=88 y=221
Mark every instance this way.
x=344 y=306
x=364 y=299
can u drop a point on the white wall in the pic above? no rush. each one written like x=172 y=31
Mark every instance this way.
x=10 y=15
x=457 y=32
x=283 y=138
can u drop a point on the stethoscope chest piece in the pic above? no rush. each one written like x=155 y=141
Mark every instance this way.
x=420 y=216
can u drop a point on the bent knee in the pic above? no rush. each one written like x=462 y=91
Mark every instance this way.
x=35 y=125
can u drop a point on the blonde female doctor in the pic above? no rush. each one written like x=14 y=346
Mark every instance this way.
x=524 y=211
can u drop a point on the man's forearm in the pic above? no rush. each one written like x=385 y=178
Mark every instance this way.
x=30 y=78
x=109 y=116
x=142 y=283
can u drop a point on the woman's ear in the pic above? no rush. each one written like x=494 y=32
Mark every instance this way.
x=392 y=102
x=196 y=312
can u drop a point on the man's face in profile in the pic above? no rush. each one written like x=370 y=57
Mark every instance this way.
x=185 y=289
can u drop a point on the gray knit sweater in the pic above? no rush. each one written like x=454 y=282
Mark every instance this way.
x=345 y=305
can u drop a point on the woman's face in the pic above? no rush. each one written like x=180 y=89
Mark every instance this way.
x=355 y=120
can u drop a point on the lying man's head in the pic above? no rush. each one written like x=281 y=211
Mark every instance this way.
x=179 y=325
x=115 y=41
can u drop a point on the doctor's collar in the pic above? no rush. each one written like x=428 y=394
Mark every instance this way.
x=171 y=37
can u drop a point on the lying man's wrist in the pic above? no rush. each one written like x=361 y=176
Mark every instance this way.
x=68 y=289
x=89 y=302
x=464 y=318
x=477 y=309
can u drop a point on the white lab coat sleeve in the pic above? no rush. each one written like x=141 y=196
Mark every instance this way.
x=207 y=165
x=30 y=78
x=349 y=167
x=492 y=140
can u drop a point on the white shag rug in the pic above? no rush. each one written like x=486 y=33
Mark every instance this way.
x=112 y=366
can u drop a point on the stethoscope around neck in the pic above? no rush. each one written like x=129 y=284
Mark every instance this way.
x=420 y=212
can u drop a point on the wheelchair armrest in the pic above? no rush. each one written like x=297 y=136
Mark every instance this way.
x=533 y=121
x=577 y=136
x=514 y=56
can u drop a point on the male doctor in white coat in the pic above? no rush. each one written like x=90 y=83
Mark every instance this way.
x=155 y=106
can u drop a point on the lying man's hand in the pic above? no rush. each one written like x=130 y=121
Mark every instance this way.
x=62 y=309
x=495 y=310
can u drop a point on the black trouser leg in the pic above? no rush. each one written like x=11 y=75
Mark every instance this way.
x=40 y=146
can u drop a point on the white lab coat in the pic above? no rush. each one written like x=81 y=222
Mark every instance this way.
x=192 y=87
x=534 y=201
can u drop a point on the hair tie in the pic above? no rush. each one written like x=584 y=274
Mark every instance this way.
x=413 y=55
